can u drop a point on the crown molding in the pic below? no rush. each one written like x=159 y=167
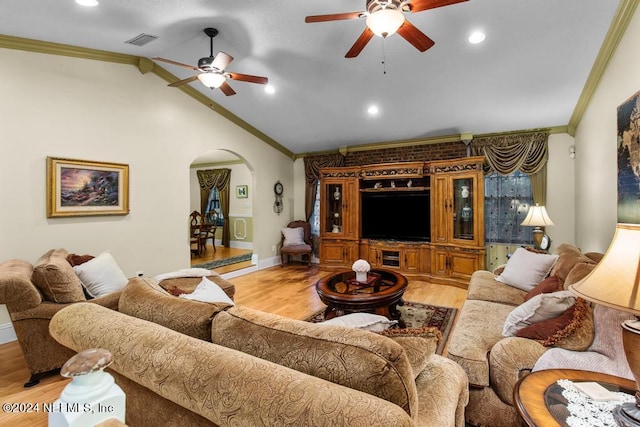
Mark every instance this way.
x=216 y=164
x=618 y=27
x=145 y=65
x=60 y=49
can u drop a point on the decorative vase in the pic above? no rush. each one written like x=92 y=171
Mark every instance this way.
x=466 y=213
x=361 y=268
x=465 y=191
x=361 y=276
x=335 y=229
x=336 y=194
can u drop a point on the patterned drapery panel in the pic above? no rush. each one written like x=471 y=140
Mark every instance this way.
x=218 y=178
x=312 y=166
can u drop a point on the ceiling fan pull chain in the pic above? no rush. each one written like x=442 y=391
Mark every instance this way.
x=384 y=59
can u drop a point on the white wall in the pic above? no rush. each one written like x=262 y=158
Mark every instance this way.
x=596 y=155
x=92 y=110
x=561 y=190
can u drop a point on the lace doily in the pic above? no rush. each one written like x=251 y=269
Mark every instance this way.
x=586 y=412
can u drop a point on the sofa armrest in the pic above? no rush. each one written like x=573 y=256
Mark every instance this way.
x=16 y=289
x=225 y=386
x=109 y=301
x=511 y=359
x=46 y=310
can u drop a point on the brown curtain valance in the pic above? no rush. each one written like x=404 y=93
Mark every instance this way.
x=312 y=166
x=506 y=154
x=218 y=178
x=527 y=153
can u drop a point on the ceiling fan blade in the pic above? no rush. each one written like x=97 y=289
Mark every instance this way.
x=333 y=17
x=420 y=5
x=179 y=64
x=226 y=89
x=414 y=36
x=184 y=81
x=221 y=61
x=362 y=41
x=248 y=78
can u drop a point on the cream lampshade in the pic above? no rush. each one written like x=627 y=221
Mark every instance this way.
x=537 y=217
x=615 y=282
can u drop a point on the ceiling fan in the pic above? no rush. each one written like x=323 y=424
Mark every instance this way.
x=384 y=18
x=211 y=70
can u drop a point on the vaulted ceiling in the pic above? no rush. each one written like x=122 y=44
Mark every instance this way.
x=528 y=73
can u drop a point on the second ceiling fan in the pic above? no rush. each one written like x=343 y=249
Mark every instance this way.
x=385 y=17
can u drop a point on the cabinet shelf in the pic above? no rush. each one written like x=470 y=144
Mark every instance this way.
x=389 y=189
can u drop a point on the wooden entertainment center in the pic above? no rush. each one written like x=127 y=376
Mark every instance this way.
x=380 y=213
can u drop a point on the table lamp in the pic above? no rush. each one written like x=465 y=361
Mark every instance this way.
x=537 y=217
x=615 y=283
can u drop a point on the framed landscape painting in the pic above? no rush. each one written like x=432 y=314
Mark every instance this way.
x=85 y=188
x=629 y=160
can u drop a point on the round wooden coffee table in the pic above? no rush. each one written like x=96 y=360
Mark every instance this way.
x=381 y=293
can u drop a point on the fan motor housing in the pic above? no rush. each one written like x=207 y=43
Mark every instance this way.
x=205 y=63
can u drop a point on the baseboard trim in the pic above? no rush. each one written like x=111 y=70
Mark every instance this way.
x=7 y=334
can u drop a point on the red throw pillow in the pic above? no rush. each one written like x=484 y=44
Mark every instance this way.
x=78 y=259
x=572 y=330
x=549 y=285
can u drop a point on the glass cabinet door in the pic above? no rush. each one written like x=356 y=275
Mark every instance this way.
x=333 y=221
x=463 y=205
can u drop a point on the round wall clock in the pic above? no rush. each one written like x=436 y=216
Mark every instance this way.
x=277 y=205
x=278 y=188
x=545 y=242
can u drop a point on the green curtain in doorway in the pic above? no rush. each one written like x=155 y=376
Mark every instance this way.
x=218 y=178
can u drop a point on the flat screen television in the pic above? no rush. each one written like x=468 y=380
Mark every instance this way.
x=401 y=215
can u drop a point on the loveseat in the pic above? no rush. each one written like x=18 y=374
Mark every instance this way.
x=582 y=337
x=33 y=294
x=263 y=369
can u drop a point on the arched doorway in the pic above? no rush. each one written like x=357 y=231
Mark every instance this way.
x=239 y=218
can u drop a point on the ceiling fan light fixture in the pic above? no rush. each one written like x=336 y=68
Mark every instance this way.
x=212 y=80
x=385 y=22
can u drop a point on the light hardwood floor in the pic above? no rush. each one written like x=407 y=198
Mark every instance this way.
x=288 y=291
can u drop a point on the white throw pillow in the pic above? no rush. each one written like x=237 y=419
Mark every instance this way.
x=539 y=308
x=207 y=291
x=526 y=269
x=293 y=236
x=367 y=321
x=101 y=275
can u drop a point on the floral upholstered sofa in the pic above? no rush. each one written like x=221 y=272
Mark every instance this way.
x=260 y=368
x=546 y=327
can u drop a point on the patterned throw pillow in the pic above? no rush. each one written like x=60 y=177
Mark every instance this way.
x=572 y=330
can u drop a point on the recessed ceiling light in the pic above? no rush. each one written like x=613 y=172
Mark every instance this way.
x=269 y=89
x=476 y=37
x=87 y=2
x=373 y=110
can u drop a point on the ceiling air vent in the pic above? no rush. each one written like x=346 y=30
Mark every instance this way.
x=141 y=39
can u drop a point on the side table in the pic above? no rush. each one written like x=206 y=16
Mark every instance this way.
x=536 y=395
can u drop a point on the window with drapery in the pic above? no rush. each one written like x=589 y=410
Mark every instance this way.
x=517 y=178
x=213 y=205
x=314 y=221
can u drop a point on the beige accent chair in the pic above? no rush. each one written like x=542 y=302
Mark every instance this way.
x=32 y=296
x=303 y=249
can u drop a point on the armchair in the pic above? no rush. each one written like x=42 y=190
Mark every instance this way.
x=296 y=240
x=32 y=306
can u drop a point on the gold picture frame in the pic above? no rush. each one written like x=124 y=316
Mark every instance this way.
x=86 y=188
x=242 y=191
